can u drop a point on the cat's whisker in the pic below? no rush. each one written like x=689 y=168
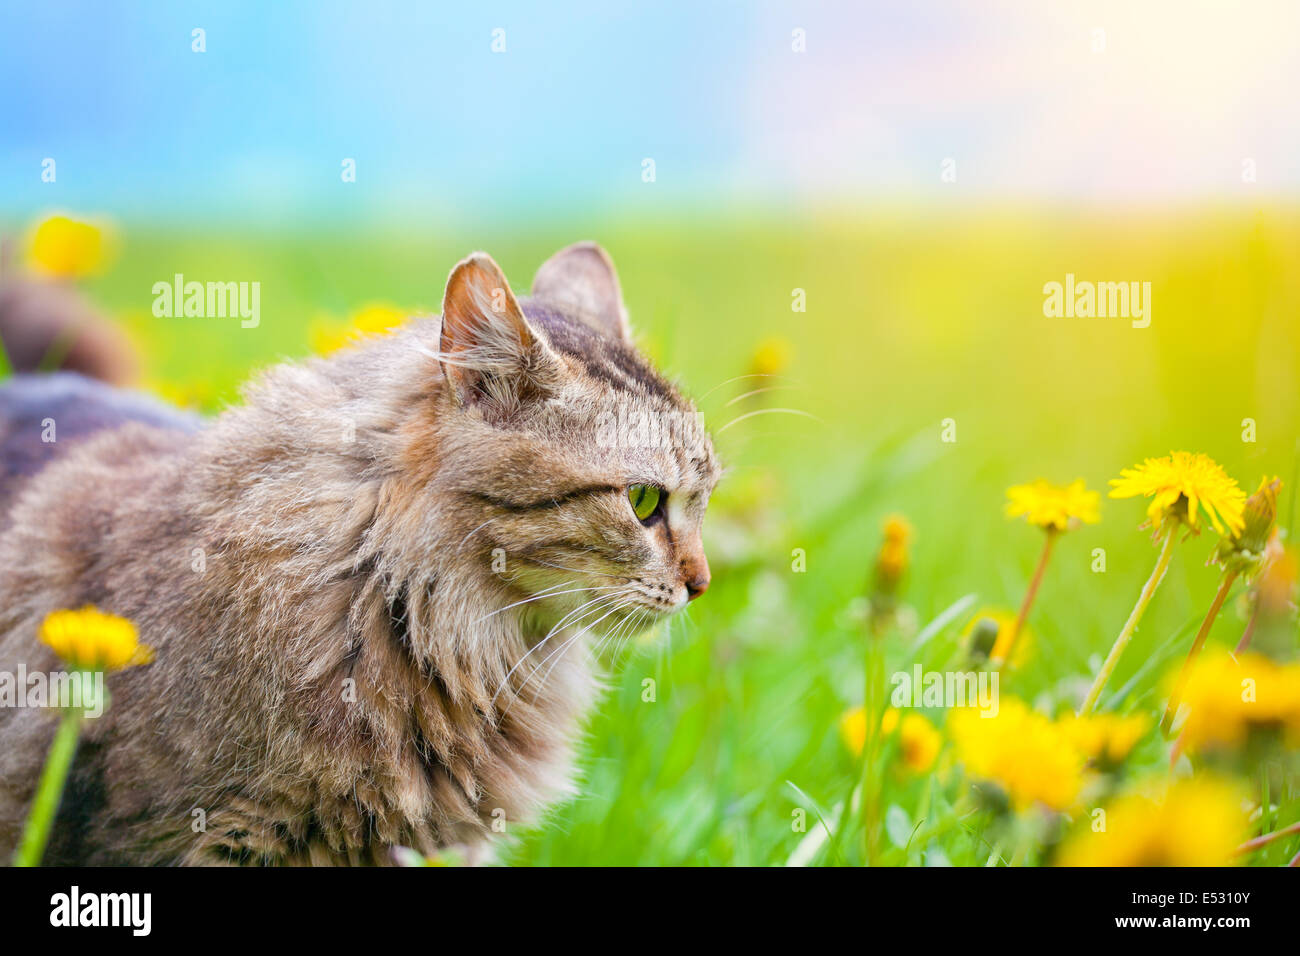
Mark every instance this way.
x=738 y=378
x=545 y=593
x=768 y=411
x=477 y=530
x=624 y=628
x=624 y=631
x=627 y=637
x=561 y=649
x=558 y=624
x=579 y=626
x=560 y=567
x=524 y=683
x=757 y=391
x=593 y=652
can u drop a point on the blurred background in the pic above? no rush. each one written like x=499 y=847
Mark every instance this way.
x=860 y=202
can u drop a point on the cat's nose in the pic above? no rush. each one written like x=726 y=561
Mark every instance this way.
x=695 y=575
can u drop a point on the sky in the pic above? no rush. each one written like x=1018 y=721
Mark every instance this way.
x=1094 y=102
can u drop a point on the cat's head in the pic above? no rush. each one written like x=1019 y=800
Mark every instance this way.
x=581 y=473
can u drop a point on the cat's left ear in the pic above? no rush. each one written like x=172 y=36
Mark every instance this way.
x=582 y=279
x=488 y=350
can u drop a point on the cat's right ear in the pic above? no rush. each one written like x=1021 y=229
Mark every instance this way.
x=582 y=278
x=487 y=349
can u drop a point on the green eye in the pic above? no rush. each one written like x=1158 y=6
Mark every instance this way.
x=645 y=499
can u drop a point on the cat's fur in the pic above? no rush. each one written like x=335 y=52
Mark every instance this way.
x=331 y=575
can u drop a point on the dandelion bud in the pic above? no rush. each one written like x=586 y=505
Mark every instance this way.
x=891 y=563
x=1243 y=551
x=982 y=638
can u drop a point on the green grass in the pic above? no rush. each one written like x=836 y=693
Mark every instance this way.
x=909 y=321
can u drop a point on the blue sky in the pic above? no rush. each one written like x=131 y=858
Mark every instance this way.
x=1181 y=95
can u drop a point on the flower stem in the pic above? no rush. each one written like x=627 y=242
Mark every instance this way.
x=1251 y=845
x=49 y=791
x=1175 y=698
x=1265 y=804
x=873 y=705
x=1002 y=647
x=1121 y=642
x=1250 y=628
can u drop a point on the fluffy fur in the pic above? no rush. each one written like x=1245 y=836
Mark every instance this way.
x=372 y=587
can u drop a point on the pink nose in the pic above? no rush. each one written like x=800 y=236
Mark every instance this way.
x=697 y=586
x=695 y=575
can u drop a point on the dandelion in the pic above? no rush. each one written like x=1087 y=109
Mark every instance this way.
x=1180 y=486
x=375 y=319
x=1054 y=508
x=1236 y=702
x=1240 y=553
x=90 y=640
x=770 y=357
x=853 y=729
x=1022 y=751
x=87 y=640
x=68 y=249
x=1105 y=739
x=919 y=742
x=1195 y=822
x=891 y=563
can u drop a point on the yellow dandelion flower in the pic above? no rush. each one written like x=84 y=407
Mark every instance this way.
x=919 y=740
x=1106 y=739
x=328 y=336
x=771 y=356
x=1195 y=822
x=67 y=248
x=853 y=729
x=889 y=720
x=919 y=743
x=1231 y=700
x=1054 y=507
x=1181 y=484
x=88 y=639
x=1021 y=751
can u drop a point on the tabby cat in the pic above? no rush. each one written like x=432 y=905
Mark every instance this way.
x=374 y=588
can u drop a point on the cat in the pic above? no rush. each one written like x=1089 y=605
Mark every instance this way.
x=374 y=588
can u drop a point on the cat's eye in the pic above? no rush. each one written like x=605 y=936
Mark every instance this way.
x=644 y=499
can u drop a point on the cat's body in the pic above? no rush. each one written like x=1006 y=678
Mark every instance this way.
x=365 y=586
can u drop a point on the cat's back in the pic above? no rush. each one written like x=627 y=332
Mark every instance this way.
x=42 y=417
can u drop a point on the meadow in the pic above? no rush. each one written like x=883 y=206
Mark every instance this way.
x=921 y=379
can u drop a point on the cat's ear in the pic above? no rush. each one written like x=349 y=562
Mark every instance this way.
x=487 y=349
x=582 y=279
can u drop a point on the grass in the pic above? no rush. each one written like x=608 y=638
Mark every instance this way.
x=910 y=321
